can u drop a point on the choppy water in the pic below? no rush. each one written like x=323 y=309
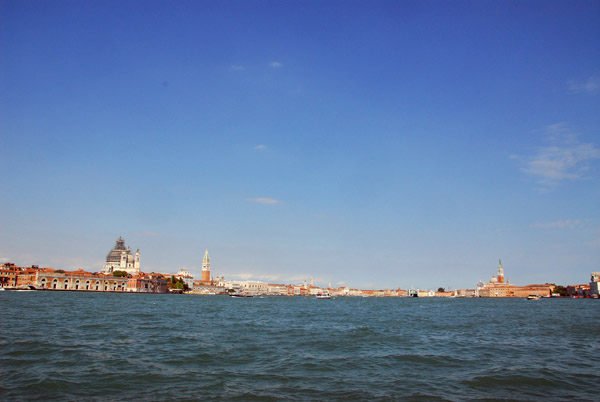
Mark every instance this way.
x=95 y=346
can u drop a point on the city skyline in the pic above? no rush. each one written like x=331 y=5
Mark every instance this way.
x=366 y=144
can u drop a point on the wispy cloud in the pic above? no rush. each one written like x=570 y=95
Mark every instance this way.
x=590 y=86
x=563 y=157
x=237 y=68
x=147 y=234
x=562 y=224
x=261 y=200
x=270 y=278
x=260 y=147
x=276 y=64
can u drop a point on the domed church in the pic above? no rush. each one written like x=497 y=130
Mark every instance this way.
x=121 y=259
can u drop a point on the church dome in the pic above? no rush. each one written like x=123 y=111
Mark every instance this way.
x=115 y=254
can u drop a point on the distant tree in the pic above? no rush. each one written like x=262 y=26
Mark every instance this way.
x=441 y=290
x=120 y=274
x=60 y=271
x=561 y=290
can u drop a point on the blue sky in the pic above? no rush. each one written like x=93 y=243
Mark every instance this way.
x=372 y=144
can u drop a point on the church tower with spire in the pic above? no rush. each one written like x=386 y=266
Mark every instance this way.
x=500 y=272
x=206 y=267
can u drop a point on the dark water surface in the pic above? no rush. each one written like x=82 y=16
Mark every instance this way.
x=103 y=346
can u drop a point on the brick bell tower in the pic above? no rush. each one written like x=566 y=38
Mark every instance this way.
x=500 y=272
x=206 y=267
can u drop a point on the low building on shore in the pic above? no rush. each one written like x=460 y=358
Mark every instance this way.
x=186 y=277
x=583 y=290
x=277 y=289
x=8 y=275
x=147 y=283
x=496 y=287
x=204 y=288
x=59 y=280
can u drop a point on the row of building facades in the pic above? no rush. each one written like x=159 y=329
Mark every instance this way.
x=122 y=273
x=12 y=276
x=15 y=277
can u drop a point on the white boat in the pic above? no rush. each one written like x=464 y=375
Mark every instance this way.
x=533 y=297
x=240 y=295
x=323 y=296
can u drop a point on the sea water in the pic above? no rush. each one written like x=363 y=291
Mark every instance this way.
x=75 y=346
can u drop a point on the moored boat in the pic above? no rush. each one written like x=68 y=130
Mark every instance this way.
x=533 y=297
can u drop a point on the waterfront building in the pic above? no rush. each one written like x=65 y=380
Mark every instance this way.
x=147 y=283
x=59 y=280
x=466 y=293
x=342 y=291
x=277 y=289
x=204 y=288
x=186 y=277
x=50 y=279
x=447 y=293
x=121 y=259
x=253 y=287
x=314 y=290
x=497 y=288
x=8 y=275
x=595 y=284
x=79 y=280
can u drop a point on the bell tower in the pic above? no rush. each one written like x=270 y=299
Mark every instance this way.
x=206 y=267
x=500 y=272
x=136 y=263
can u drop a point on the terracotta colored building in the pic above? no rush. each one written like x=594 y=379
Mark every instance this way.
x=497 y=288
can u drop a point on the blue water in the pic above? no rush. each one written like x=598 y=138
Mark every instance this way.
x=113 y=347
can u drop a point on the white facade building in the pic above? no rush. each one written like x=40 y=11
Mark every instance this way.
x=187 y=278
x=253 y=287
x=595 y=284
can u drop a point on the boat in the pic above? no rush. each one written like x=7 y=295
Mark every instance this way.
x=240 y=295
x=323 y=296
x=533 y=297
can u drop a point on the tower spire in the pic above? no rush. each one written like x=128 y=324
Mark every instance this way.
x=500 y=272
